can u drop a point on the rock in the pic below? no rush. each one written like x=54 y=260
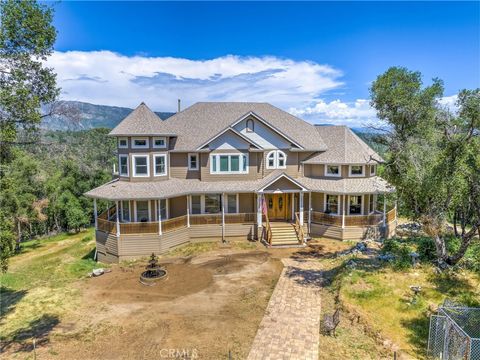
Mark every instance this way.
x=386 y=257
x=98 y=272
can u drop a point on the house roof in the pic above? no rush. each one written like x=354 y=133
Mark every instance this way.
x=126 y=190
x=344 y=147
x=141 y=121
x=200 y=122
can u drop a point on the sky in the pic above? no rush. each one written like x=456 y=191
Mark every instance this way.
x=313 y=59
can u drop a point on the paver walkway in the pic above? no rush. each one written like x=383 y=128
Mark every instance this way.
x=290 y=327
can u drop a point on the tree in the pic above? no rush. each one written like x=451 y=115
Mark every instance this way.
x=26 y=40
x=433 y=155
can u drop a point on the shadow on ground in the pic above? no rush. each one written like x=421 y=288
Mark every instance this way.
x=8 y=299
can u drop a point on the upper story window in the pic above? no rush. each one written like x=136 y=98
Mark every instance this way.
x=228 y=164
x=276 y=159
x=139 y=143
x=356 y=170
x=159 y=142
x=250 y=125
x=123 y=143
x=123 y=165
x=332 y=170
x=141 y=165
x=373 y=169
x=160 y=164
x=192 y=161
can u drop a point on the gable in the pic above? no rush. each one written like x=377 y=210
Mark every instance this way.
x=264 y=136
x=229 y=141
x=282 y=184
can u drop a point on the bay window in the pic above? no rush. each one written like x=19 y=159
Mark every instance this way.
x=160 y=164
x=142 y=211
x=332 y=170
x=356 y=170
x=123 y=165
x=228 y=164
x=141 y=166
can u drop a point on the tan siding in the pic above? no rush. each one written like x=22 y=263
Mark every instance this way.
x=179 y=167
x=177 y=206
x=293 y=167
x=318 y=201
x=140 y=245
x=246 y=203
x=332 y=232
x=283 y=184
x=173 y=239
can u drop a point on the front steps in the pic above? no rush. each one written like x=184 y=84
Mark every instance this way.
x=284 y=234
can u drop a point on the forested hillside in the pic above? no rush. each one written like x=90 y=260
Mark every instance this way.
x=47 y=180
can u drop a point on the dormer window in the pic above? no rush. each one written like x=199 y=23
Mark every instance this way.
x=250 y=125
x=332 y=170
x=276 y=159
x=123 y=143
x=159 y=142
x=356 y=170
x=139 y=143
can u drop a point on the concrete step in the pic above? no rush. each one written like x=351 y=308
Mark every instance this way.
x=286 y=242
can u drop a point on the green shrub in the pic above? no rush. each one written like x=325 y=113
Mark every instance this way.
x=400 y=250
x=426 y=248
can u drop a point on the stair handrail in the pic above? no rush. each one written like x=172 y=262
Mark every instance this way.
x=268 y=230
x=299 y=229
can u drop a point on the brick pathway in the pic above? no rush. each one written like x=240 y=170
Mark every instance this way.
x=290 y=327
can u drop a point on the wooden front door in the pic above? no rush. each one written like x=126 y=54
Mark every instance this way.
x=277 y=206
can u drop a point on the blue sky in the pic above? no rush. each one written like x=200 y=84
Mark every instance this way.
x=315 y=59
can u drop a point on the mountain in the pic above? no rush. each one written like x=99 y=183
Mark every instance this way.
x=76 y=115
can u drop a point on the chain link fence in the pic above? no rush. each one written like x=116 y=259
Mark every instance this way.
x=455 y=333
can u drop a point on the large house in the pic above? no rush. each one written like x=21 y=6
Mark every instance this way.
x=222 y=171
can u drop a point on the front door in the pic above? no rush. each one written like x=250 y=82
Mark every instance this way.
x=277 y=206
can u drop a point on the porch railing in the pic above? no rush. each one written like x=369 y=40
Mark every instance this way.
x=299 y=229
x=351 y=220
x=139 y=228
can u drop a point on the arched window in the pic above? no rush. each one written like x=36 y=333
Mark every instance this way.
x=250 y=125
x=276 y=159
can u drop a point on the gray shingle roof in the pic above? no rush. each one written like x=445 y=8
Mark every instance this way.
x=344 y=147
x=200 y=122
x=126 y=190
x=141 y=121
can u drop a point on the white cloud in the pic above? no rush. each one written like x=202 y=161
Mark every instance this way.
x=449 y=103
x=104 y=77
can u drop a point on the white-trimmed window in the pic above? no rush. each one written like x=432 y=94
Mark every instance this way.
x=125 y=204
x=141 y=165
x=123 y=142
x=196 y=204
x=333 y=170
x=142 y=211
x=276 y=159
x=250 y=126
x=371 y=203
x=123 y=164
x=228 y=164
x=163 y=209
x=192 y=161
x=373 y=169
x=355 y=205
x=357 y=170
x=160 y=142
x=231 y=203
x=331 y=204
x=160 y=164
x=139 y=143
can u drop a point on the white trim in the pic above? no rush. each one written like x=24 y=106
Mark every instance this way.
x=155 y=155
x=240 y=163
x=149 y=210
x=159 y=146
x=202 y=203
x=276 y=160
x=327 y=174
x=120 y=156
x=247 y=129
x=374 y=172
x=361 y=205
x=137 y=146
x=302 y=188
x=121 y=211
x=230 y=128
x=325 y=203
x=122 y=138
x=134 y=156
x=356 y=175
x=197 y=161
x=251 y=113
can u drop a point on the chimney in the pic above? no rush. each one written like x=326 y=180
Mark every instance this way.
x=179 y=101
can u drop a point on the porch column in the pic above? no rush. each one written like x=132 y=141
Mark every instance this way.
x=384 y=208
x=223 y=217
x=95 y=213
x=117 y=216
x=159 y=215
x=108 y=210
x=293 y=206
x=300 y=215
x=309 y=211
x=188 y=210
x=343 y=211
x=259 y=210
